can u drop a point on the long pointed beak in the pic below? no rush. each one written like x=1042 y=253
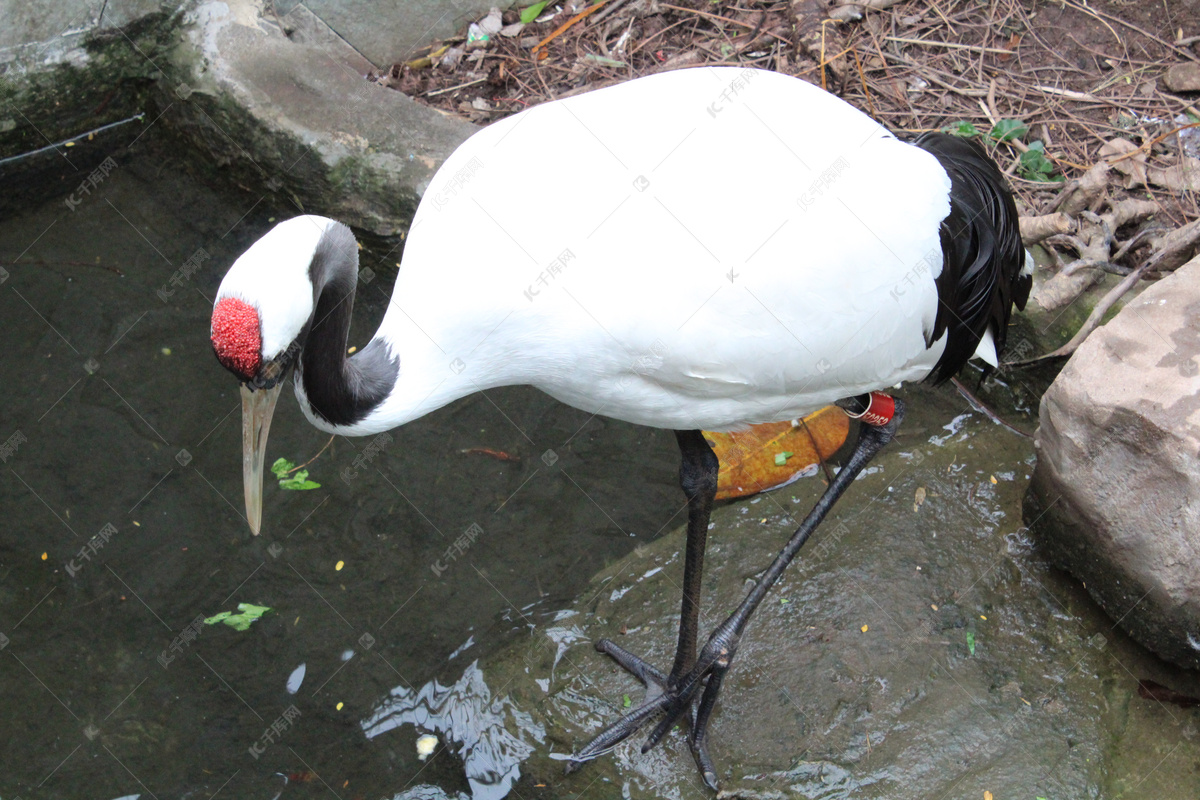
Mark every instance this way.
x=258 y=405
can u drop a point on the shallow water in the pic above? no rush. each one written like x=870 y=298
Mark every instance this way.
x=127 y=437
x=125 y=419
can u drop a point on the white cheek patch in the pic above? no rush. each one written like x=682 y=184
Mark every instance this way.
x=273 y=277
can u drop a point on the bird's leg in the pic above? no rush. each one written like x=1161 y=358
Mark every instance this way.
x=698 y=477
x=881 y=419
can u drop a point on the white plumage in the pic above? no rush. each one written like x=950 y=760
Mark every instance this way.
x=274 y=272
x=681 y=304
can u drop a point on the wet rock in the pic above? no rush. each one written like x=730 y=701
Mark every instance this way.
x=283 y=104
x=1183 y=78
x=1115 y=497
x=966 y=677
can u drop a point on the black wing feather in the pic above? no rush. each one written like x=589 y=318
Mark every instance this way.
x=982 y=254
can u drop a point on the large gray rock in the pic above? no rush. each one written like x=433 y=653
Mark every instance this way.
x=1115 y=496
x=295 y=116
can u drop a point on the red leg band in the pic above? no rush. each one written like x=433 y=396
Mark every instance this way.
x=879 y=411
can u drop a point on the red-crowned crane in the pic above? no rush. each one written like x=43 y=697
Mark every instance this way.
x=694 y=250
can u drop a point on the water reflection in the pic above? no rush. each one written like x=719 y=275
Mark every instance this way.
x=490 y=735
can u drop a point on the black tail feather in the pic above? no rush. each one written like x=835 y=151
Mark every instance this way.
x=982 y=254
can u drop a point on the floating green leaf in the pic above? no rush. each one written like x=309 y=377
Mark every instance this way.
x=963 y=129
x=297 y=482
x=241 y=621
x=529 y=14
x=1008 y=129
x=971 y=642
x=781 y=458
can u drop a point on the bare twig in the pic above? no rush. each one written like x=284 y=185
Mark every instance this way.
x=314 y=458
x=980 y=406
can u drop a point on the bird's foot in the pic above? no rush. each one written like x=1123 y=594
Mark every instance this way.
x=670 y=700
x=651 y=677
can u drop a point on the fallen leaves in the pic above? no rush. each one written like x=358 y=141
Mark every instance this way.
x=771 y=455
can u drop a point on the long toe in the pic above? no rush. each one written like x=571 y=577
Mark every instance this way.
x=708 y=770
x=643 y=670
x=620 y=730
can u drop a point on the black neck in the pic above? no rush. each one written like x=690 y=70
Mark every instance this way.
x=340 y=390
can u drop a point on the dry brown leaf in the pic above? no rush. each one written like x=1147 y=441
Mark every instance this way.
x=919 y=498
x=1183 y=177
x=1133 y=167
x=748 y=457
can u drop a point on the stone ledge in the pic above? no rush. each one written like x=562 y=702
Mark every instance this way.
x=278 y=104
x=297 y=117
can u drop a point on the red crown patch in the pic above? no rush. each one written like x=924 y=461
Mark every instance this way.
x=236 y=337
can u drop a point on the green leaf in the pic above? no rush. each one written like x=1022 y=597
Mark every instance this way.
x=781 y=458
x=592 y=58
x=971 y=642
x=529 y=14
x=298 y=482
x=239 y=622
x=1035 y=166
x=1008 y=129
x=963 y=129
x=628 y=702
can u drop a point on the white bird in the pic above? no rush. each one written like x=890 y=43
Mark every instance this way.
x=703 y=250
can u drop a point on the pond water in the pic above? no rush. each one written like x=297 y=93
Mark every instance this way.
x=124 y=529
x=129 y=431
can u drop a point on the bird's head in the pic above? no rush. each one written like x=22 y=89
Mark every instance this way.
x=259 y=322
